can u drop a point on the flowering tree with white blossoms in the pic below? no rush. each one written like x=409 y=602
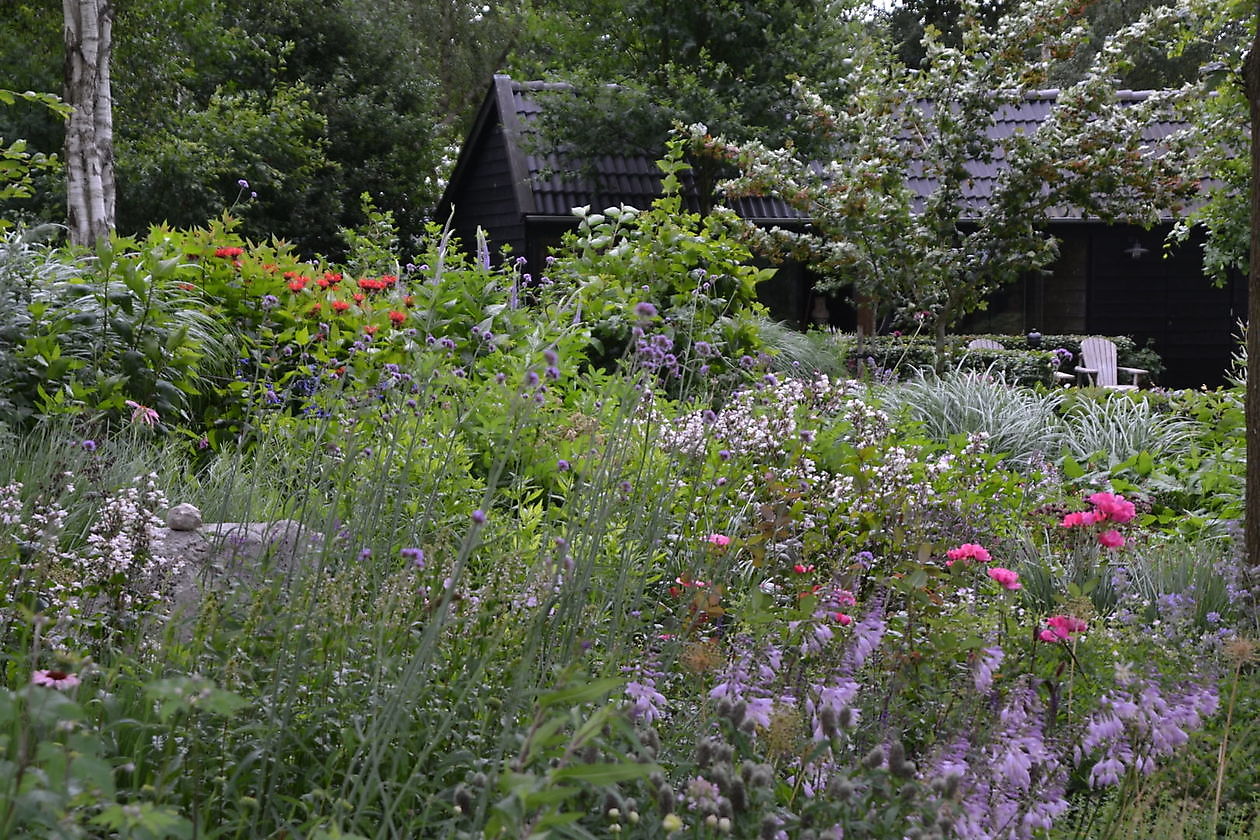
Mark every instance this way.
x=893 y=214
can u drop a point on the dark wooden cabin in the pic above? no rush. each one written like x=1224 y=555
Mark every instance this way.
x=1108 y=280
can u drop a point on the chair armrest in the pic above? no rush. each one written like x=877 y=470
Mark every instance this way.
x=1136 y=373
x=1060 y=376
x=1088 y=373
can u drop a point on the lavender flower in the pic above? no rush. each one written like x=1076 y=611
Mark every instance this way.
x=986 y=664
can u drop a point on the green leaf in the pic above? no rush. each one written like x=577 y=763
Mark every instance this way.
x=604 y=774
x=579 y=694
x=1071 y=468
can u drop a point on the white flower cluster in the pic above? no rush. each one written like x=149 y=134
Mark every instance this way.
x=120 y=544
x=761 y=422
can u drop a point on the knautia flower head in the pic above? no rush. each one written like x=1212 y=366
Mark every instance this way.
x=479 y=517
x=415 y=555
x=645 y=310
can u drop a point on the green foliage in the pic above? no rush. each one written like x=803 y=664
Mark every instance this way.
x=18 y=166
x=97 y=330
x=694 y=274
x=641 y=67
x=1018 y=423
x=934 y=258
x=902 y=355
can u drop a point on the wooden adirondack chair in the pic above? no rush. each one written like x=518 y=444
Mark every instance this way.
x=1100 y=366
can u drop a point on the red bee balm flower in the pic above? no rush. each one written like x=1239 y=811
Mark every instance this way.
x=340 y=306
x=229 y=252
x=396 y=317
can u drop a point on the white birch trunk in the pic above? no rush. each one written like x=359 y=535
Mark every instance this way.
x=89 y=129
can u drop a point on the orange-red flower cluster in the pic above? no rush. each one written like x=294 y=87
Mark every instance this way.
x=231 y=253
x=377 y=284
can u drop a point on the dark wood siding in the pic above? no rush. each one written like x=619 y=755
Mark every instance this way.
x=486 y=197
x=1139 y=288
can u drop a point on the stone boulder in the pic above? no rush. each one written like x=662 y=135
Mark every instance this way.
x=222 y=555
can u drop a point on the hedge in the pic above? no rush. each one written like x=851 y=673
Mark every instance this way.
x=1018 y=363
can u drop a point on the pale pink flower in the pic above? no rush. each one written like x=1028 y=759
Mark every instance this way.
x=142 y=413
x=55 y=679
x=1005 y=577
x=720 y=540
x=1111 y=539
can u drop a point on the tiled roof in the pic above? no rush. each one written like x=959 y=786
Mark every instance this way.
x=619 y=179
x=548 y=184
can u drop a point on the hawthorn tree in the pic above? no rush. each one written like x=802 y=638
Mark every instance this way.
x=893 y=215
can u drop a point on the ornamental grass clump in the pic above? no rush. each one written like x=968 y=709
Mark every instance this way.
x=1117 y=427
x=1021 y=425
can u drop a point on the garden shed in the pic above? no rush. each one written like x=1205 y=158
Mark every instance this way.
x=1108 y=279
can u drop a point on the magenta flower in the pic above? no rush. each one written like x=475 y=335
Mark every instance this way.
x=1005 y=577
x=720 y=540
x=1061 y=628
x=1111 y=539
x=968 y=551
x=1073 y=520
x=1112 y=507
x=55 y=679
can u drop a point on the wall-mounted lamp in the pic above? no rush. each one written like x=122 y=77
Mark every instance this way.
x=1137 y=250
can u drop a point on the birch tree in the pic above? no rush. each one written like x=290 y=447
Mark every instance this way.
x=89 y=149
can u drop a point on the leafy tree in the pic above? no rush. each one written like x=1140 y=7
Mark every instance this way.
x=311 y=103
x=929 y=251
x=641 y=66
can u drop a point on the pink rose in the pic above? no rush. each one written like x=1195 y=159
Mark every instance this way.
x=1079 y=518
x=1005 y=577
x=1111 y=539
x=1113 y=507
x=720 y=540
x=968 y=550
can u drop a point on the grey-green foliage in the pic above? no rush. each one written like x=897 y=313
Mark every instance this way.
x=1021 y=423
x=1119 y=427
x=804 y=353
